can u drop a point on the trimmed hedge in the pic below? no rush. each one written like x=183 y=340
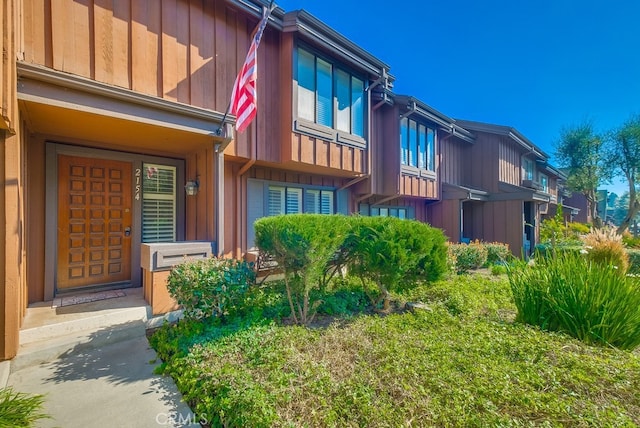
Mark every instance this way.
x=394 y=254
x=210 y=288
x=312 y=248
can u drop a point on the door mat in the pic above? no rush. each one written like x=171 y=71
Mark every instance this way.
x=86 y=298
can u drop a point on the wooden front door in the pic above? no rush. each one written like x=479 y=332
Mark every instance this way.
x=94 y=222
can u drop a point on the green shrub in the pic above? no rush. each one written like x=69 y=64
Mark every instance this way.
x=468 y=256
x=394 y=253
x=587 y=300
x=497 y=252
x=498 y=269
x=20 y=410
x=307 y=248
x=630 y=241
x=634 y=261
x=557 y=231
x=210 y=288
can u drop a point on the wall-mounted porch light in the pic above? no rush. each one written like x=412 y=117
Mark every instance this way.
x=192 y=187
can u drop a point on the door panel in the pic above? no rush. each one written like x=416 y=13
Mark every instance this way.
x=94 y=222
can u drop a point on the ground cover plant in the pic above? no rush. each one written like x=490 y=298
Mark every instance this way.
x=460 y=360
x=18 y=409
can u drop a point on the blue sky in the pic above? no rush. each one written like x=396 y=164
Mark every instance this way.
x=536 y=66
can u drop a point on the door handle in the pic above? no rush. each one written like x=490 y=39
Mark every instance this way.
x=127 y=231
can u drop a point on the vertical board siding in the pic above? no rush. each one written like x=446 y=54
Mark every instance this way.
x=451 y=160
x=509 y=163
x=293 y=177
x=418 y=187
x=319 y=152
x=182 y=50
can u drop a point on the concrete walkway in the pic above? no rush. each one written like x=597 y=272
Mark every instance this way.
x=110 y=386
x=94 y=364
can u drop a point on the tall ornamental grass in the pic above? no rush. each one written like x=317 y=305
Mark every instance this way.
x=588 y=300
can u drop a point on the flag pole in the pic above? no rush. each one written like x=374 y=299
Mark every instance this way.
x=226 y=113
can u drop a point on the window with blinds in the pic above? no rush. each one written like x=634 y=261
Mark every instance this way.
x=158 y=203
x=289 y=200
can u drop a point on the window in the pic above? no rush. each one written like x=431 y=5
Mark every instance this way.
x=328 y=95
x=544 y=182
x=158 y=203
x=289 y=200
x=399 y=212
x=527 y=169
x=318 y=201
x=417 y=145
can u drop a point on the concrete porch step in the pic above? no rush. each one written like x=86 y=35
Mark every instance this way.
x=50 y=329
x=47 y=350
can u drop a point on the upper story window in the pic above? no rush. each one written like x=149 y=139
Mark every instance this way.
x=544 y=182
x=527 y=169
x=417 y=145
x=329 y=95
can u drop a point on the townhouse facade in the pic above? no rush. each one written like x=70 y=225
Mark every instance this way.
x=114 y=138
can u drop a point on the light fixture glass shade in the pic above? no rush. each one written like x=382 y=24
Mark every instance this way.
x=191 y=188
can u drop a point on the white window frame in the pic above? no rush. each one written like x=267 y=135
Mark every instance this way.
x=148 y=169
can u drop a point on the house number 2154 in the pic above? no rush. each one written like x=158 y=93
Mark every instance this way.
x=138 y=180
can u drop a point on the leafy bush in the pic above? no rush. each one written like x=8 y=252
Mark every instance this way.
x=210 y=288
x=557 y=231
x=605 y=246
x=307 y=248
x=394 y=253
x=634 y=261
x=20 y=410
x=498 y=269
x=630 y=241
x=497 y=252
x=468 y=256
x=587 y=300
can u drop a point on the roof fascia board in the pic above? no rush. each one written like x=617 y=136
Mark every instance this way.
x=254 y=8
x=88 y=86
x=437 y=117
x=309 y=26
x=507 y=131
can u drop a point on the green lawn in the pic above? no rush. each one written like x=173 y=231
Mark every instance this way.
x=463 y=362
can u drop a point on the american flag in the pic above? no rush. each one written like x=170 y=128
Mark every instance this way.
x=244 y=98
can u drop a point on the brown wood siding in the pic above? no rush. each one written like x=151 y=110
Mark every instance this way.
x=36 y=185
x=509 y=163
x=265 y=173
x=501 y=221
x=13 y=292
x=452 y=154
x=483 y=163
x=200 y=209
x=387 y=152
x=183 y=50
x=9 y=44
x=445 y=215
x=318 y=152
x=418 y=186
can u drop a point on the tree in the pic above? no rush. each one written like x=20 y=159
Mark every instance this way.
x=580 y=151
x=623 y=154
